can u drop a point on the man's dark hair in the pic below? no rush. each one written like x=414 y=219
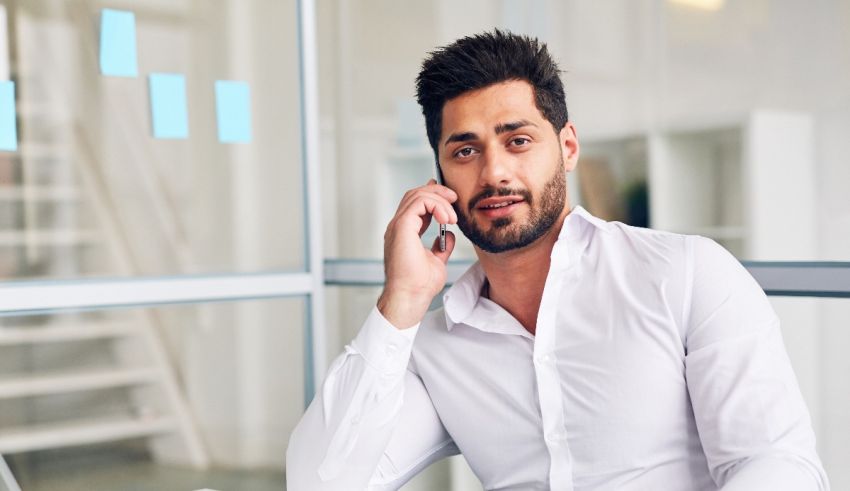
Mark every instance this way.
x=482 y=60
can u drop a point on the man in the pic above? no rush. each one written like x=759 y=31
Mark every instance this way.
x=577 y=353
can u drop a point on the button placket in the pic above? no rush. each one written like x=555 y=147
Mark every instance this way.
x=546 y=373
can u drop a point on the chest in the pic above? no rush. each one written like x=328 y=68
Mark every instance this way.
x=617 y=371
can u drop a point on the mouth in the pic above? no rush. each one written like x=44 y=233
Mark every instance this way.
x=498 y=207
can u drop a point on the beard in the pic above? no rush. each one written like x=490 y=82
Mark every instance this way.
x=505 y=233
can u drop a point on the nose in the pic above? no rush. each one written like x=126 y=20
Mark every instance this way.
x=496 y=170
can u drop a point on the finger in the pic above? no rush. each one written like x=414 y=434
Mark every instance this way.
x=418 y=219
x=429 y=205
x=450 y=245
x=442 y=190
x=426 y=221
x=422 y=194
x=428 y=190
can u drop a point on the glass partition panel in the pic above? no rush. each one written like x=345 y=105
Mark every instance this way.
x=145 y=398
x=191 y=163
x=816 y=337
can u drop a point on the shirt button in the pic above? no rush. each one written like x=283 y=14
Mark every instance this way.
x=391 y=349
x=556 y=438
x=542 y=359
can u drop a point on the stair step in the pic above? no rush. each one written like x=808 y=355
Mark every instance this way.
x=42 y=151
x=58 y=383
x=44 y=111
x=39 y=193
x=13 y=238
x=56 y=435
x=62 y=333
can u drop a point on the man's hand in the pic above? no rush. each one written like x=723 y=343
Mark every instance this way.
x=414 y=274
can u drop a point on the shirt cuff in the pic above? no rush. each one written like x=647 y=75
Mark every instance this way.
x=383 y=345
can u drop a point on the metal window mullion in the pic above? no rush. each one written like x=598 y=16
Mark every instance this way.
x=777 y=278
x=26 y=297
x=315 y=331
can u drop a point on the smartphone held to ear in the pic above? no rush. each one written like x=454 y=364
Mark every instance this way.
x=442 y=225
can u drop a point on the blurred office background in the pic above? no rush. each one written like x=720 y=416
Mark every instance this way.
x=724 y=118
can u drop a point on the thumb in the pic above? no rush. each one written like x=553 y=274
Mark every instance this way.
x=450 y=245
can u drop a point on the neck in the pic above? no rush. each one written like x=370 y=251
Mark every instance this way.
x=516 y=278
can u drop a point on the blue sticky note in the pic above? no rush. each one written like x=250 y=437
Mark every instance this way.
x=233 y=111
x=169 y=113
x=8 y=130
x=118 y=43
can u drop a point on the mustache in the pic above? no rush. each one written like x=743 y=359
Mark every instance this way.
x=490 y=192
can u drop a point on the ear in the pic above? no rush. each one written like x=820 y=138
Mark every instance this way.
x=568 y=139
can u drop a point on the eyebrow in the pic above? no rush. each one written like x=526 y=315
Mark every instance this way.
x=500 y=128
x=513 y=126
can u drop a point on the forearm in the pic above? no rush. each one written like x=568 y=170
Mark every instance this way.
x=343 y=434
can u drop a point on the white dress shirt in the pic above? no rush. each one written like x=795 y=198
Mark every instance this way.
x=657 y=364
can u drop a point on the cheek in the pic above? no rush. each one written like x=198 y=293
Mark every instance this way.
x=460 y=184
x=462 y=204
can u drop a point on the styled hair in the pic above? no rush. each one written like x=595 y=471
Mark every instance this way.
x=478 y=61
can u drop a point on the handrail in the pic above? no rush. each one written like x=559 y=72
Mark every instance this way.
x=802 y=279
x=7 y=480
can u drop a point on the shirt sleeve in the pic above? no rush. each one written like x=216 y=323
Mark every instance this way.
x=753 y=423
x=372 y=425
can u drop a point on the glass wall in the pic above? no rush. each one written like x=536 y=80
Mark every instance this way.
x=161 y=144
x=98 y=187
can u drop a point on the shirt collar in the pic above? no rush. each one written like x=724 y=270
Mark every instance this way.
x=461 y=300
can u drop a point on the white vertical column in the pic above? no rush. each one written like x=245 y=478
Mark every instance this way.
x=780 y=211
x=780 y=179
x=5 y=71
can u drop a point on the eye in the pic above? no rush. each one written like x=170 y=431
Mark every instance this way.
x=519 y=141
x=464 y=152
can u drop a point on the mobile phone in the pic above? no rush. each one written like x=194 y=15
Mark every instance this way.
x=442 y=225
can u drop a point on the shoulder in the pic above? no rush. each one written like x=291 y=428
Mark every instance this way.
x=701 y=254
x=646 y=238
x=653 y=252
x=723 y=291
x=716 y=270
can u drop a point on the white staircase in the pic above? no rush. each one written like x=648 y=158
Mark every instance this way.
x=160 y=412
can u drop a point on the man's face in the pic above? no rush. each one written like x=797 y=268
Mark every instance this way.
x=507 y=165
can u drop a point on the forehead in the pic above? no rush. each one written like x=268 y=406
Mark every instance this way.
x=485 y=108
